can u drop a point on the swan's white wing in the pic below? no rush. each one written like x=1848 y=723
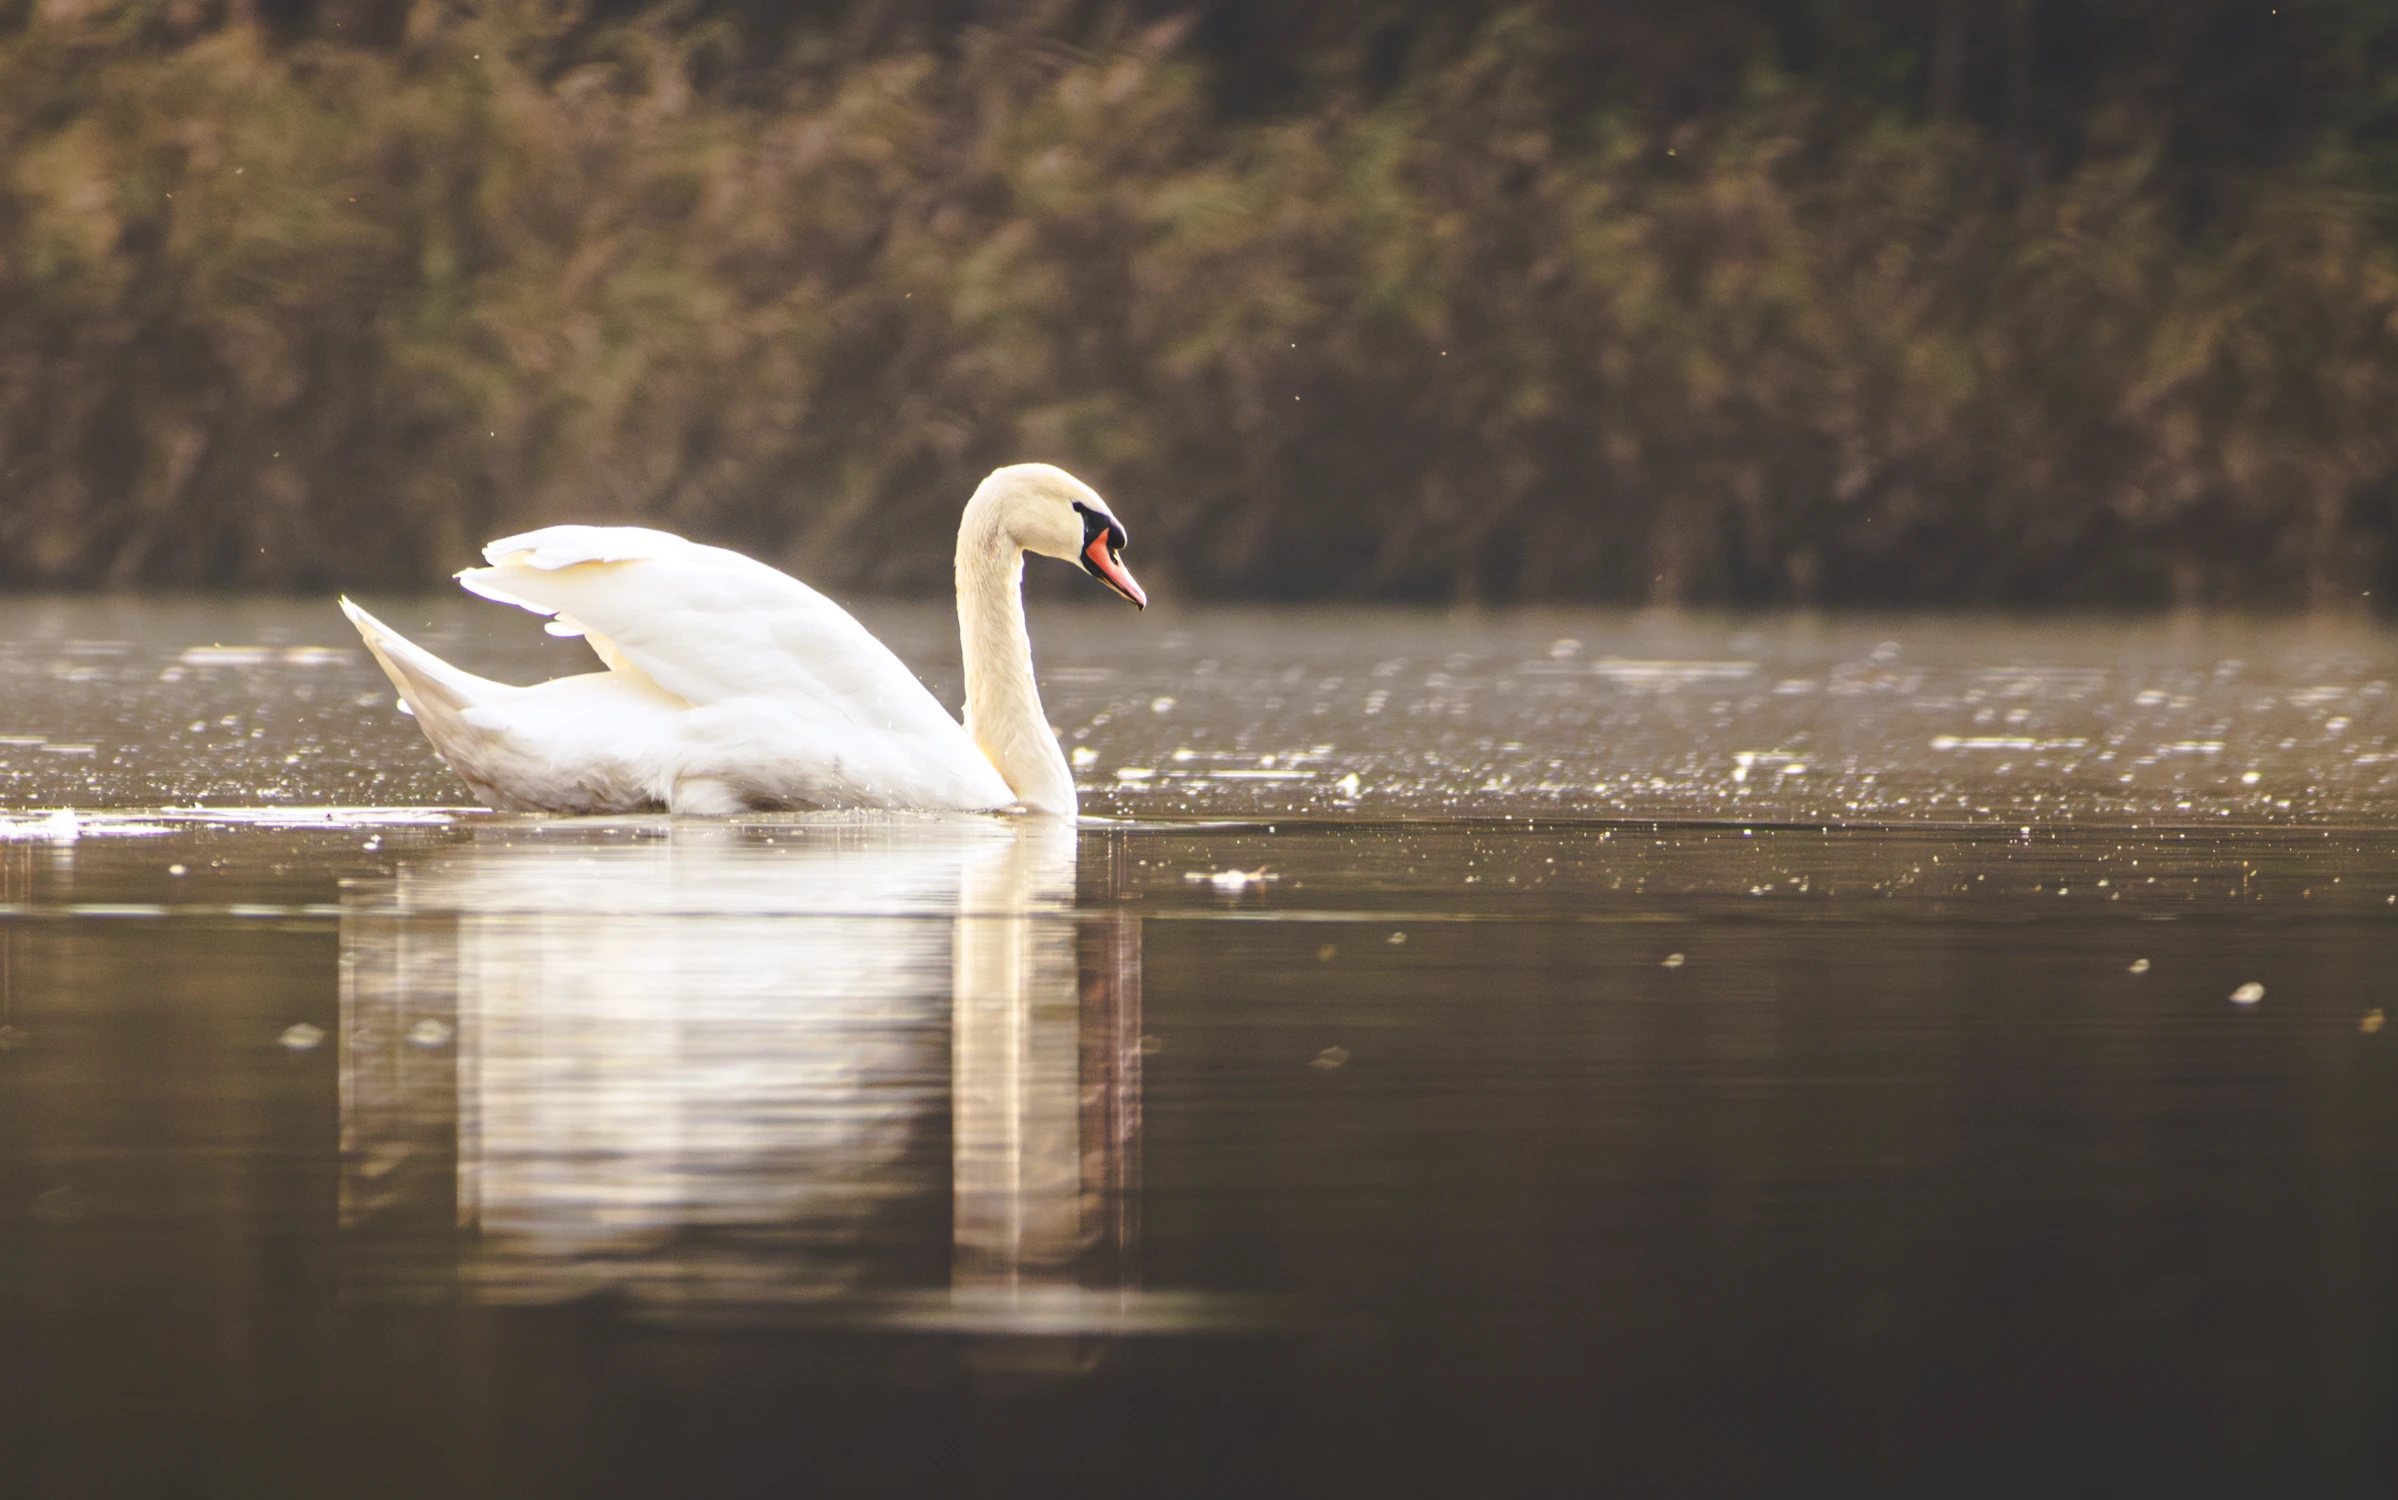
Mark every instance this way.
x=715 y=628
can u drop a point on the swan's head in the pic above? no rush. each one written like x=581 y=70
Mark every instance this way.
x=1049 y=511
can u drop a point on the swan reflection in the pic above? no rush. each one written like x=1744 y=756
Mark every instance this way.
x=873 y=1068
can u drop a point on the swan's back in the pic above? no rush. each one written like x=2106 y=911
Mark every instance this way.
x=774 y=673
x=706 y=624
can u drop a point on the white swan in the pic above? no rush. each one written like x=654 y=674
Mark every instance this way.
x=732 y=686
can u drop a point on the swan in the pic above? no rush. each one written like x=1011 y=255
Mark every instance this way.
x=731 y=686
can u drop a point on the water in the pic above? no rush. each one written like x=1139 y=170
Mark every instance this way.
x=1347 y=713
x=1921 y=1108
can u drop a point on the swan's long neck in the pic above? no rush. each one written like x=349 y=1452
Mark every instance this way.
x=1003 y=704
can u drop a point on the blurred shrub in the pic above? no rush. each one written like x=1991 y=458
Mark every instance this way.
x=296 y=310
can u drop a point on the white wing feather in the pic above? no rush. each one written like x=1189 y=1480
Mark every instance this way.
x=775 y=673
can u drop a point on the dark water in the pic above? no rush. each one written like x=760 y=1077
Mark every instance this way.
x=1310 y=1141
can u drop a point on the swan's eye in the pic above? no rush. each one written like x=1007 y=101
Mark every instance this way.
x=1096 y=525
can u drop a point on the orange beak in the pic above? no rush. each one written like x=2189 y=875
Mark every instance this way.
x=1109 y=569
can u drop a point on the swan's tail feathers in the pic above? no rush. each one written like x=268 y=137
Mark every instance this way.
x=455 y=708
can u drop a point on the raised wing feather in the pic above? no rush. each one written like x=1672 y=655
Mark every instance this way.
x=712 y=626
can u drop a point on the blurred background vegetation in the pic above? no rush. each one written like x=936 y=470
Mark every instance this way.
x=1751 y=301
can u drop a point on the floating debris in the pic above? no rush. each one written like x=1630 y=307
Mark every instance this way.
x=66 y=826
x=1396 y=938
x=2139 y=966
x=258 y=656
x=2370 y=1022
x=1665 y=676
x=2248 y=994
x=429 y=1033
x=1328 y=1059
x=1671 y=961
x=1230 y=880
x=2005 y=742
x=301 y=1037
x=1327 y=953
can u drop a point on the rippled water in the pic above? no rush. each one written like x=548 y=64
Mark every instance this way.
x=1922 y=1108
x=1345 y=713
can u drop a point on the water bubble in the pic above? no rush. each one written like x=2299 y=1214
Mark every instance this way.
x=2248 y=994
x=301 y=1037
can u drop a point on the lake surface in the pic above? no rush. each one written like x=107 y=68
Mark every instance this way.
x=1514 y=1054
